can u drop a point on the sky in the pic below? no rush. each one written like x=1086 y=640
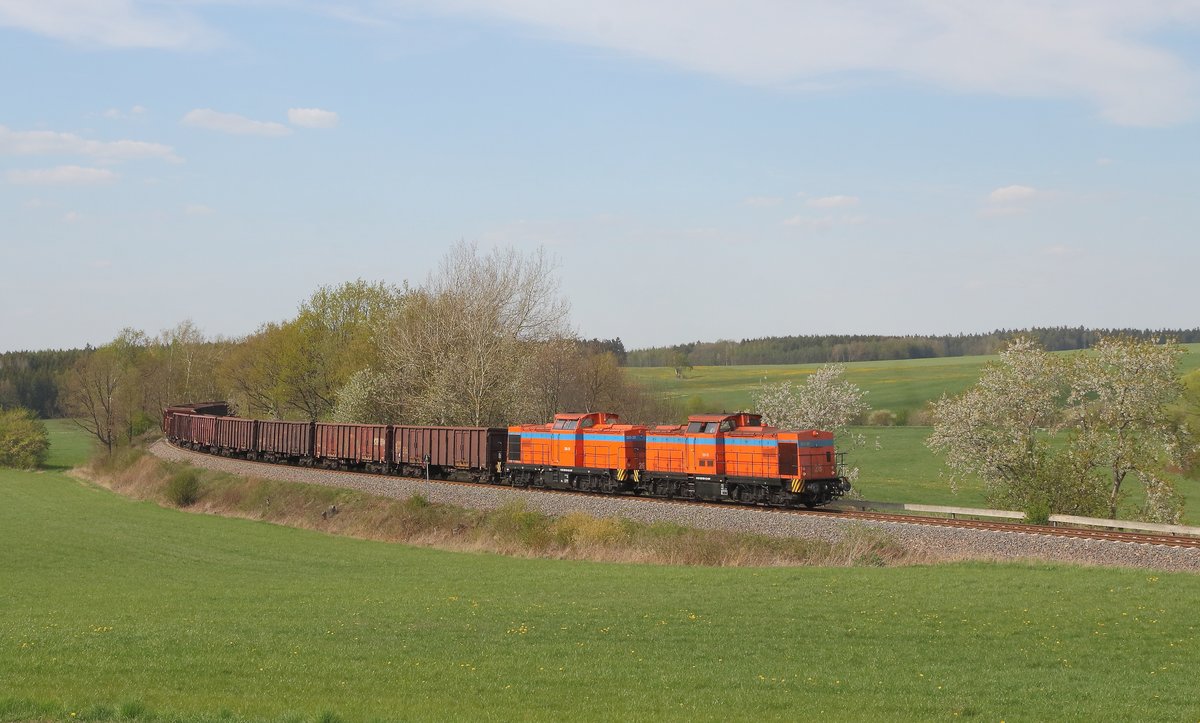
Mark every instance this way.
x=699 y=170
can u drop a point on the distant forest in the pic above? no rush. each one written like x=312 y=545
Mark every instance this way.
x=30 y=379
x=853 y=348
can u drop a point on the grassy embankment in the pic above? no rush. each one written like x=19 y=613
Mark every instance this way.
x=120 y=609
x=900 y=468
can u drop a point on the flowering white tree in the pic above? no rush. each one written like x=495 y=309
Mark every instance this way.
x=1121 y=422
x=996 y=429
x=1064 y=432
x=825 y=401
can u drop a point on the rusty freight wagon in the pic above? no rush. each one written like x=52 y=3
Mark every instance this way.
x=448 y=452
x=196 y=430
x=280 y=441
x=235 y=435
x=214 y=409
x=353 y=446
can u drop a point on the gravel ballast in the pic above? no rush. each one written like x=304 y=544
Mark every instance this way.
x=948 y=542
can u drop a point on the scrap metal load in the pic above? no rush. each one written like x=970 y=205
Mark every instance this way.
x=713 y=457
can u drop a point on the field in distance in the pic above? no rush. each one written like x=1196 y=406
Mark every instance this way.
x=116 y=609
x=902 y=386
x=899 y=468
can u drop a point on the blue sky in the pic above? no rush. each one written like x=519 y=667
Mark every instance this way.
x=701 y=170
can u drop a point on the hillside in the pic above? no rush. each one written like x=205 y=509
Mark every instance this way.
x=903 y=386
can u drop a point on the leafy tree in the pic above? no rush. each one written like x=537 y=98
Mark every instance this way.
x=296 y=369
x=24 y=441
x=1065 y=432
x=362 y=399
x=680 y=361
x=252 y=371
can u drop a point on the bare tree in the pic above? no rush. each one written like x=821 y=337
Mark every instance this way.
x=94 y=388
x=461 y=348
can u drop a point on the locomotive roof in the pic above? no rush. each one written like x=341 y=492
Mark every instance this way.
x=581 y=415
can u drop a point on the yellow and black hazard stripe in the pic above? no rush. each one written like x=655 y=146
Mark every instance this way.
x=797 y=485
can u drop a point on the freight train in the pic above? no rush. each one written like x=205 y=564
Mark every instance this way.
x=713 y=457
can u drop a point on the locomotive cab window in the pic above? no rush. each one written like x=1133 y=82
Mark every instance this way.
x=727 y=425
x=565 y=424
x=710 y=428
x=695 y=427
x=587 y=423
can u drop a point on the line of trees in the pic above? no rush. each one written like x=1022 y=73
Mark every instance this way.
x=485 y=340
x=854 y=348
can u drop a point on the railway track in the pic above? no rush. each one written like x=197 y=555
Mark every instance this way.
x=908 y=519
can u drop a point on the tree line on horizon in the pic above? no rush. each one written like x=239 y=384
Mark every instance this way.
x=484 y=341
x=839 y=348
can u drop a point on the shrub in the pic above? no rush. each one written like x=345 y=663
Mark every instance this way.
x=579 y=529
x=24 y=440
x=120 y=460
x=516 y=522
x=1037 y=512
x=882 y=418
x=183 y=489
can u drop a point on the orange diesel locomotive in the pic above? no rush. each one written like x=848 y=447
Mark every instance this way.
x=713 y=457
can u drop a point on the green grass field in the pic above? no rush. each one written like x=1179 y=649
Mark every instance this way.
x=114 y=609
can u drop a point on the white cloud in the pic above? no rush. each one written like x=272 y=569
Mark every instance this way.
x=833 y=202
x=312 y=118
x=823 y=223
x=1108 y=53
x=113 y=23
x=762 y=201
x=136 y=111
x=1012 y=194
x=46 y=143
x=233 y=123
x=62 y=175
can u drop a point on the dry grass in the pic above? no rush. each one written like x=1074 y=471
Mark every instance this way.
x=512 y=529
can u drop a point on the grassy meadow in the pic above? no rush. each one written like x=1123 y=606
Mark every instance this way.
x=895 y=464
x=114 y=609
